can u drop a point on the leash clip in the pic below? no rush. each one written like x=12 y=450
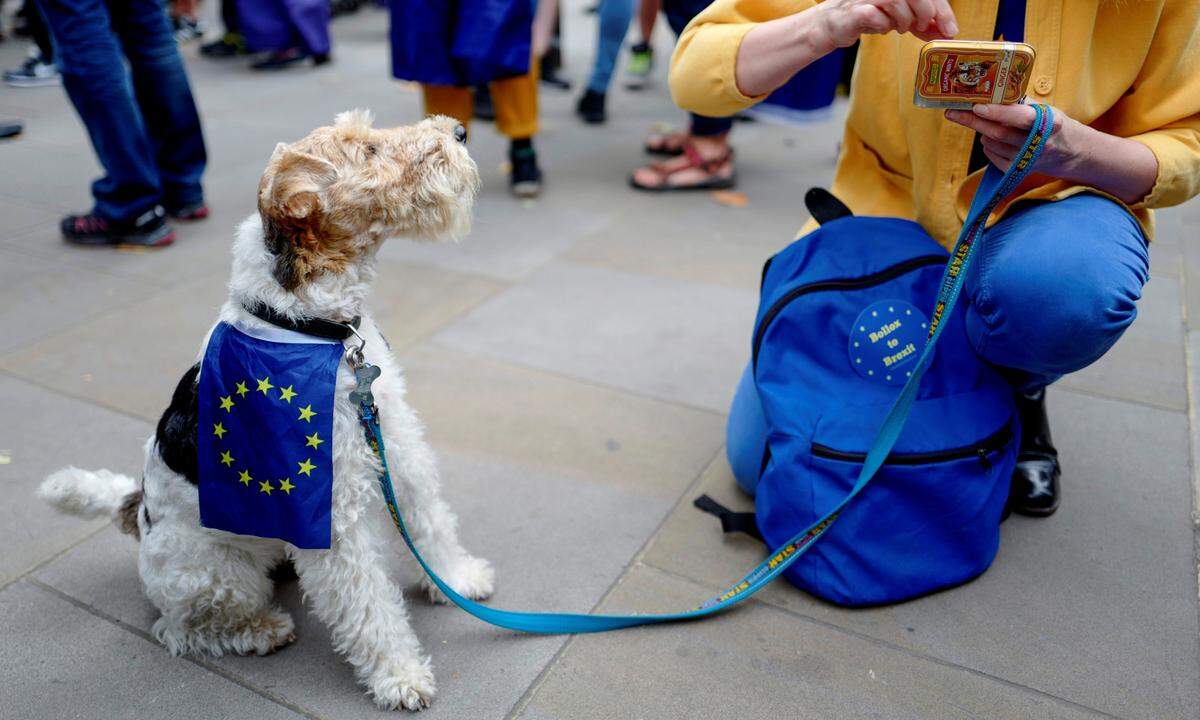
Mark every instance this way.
x=355 y=355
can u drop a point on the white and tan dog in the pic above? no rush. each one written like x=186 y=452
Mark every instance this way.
x=326 y=203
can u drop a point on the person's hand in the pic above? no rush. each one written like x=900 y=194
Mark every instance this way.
x=843 y=21
x=1002 y=130
x=1075 y=152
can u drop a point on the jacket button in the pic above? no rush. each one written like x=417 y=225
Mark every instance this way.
x=1043 y=85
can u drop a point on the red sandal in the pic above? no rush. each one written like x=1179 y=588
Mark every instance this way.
x=694 y=161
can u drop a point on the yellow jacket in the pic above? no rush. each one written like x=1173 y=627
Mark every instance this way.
x=1126 y=67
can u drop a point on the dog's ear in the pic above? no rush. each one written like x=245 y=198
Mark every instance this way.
x=290 y=204
x=293 y=184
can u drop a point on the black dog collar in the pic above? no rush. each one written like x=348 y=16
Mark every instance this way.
x=327 y=329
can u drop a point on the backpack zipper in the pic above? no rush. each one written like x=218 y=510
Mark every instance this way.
x=875 y=278
x=982 y=449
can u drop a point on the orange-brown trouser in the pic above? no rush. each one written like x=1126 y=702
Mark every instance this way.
x=514 y=98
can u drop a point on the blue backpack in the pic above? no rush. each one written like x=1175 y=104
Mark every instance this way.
x=842 y=319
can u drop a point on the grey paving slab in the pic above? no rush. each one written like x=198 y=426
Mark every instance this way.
x=502 y=243
x=558 y=425
x=18 y=216
x=1147 y=363
x=759 y=661
x=39 y=297
x=129 y=359
x=1096 y=604
x=1167 y=250
x=57 y=177
x=200 y=248
x=677 y=341
x=534 y=531
x=41 y=432
x=62 y=662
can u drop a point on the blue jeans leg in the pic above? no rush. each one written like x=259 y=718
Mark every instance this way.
x=95 y=78
x=165 y=98
x=746 y=433
x=615 y=16
x=1055 y=286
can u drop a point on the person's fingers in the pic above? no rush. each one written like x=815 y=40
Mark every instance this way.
x=1015 y=116
x=946 y=21
x=871 y=20
x=1000 y=160
x=923 y=15
x=1000 y=148
x=898 y=11
x=994 y=130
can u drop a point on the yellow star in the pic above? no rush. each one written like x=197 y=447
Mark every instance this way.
x=314 y=440
x=226 y=458
x=264 y=385
x=287 y=393
x=265 y=486
x=227 y=403
x=242 y=389
x=286 y=485
x=219 y=430
x=306 y=413
x=306 y=467
x=244 y=477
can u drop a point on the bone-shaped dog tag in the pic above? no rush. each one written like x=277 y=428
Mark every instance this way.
x=364 y=375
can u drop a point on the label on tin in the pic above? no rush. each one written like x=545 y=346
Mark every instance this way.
x=958 y=74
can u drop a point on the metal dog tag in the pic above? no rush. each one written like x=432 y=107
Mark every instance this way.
x=364 y=375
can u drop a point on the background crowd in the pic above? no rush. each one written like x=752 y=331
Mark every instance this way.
x=474 y=59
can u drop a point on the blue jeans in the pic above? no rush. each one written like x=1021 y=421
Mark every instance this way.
x=142 y=121
x=1055 y=285
x=615 y=16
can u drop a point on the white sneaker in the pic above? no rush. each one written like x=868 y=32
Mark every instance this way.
x=35 y=72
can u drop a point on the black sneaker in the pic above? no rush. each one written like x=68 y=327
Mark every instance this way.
x=591 y=107
x=189 y=212
x=230 y=45
x=525 y=179
x=281 y=59
x=150 y=229
x=1034 y=490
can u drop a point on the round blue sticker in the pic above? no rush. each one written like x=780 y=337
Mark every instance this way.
x=886 y=340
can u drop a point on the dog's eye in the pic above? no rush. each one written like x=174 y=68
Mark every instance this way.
x=371 y=150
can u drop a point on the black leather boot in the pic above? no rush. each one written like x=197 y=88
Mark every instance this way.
x=1034 y=490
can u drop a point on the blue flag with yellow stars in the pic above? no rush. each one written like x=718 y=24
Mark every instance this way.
x=265 y=434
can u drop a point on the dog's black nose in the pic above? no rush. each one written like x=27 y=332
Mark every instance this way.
x=460 y=133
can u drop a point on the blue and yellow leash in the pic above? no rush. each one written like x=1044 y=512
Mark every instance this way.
x=994 y=187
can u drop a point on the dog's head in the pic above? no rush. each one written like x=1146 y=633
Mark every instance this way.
x=334 y=195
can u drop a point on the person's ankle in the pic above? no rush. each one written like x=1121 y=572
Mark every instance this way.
x=710 y=146
x=520 y=144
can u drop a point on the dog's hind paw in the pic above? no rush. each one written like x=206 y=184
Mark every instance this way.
x=474 y=578
x=408 y=685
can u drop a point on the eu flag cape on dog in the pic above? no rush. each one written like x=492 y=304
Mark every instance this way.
x=460 y=42
x=265 y=434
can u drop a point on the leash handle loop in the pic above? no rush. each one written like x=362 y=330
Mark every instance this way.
x=994 y=187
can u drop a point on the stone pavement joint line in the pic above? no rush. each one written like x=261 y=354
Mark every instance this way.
x=198 y=662
x=573 y=360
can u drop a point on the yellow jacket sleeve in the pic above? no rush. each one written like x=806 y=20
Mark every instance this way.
x=1162 y=109
x=703 y=67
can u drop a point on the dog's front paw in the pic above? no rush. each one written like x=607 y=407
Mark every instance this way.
x=407 y=685
x=473 y=578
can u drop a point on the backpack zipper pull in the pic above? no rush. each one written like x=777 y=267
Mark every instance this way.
x=983 y=459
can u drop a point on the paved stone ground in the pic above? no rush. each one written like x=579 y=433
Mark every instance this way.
x=573 y=360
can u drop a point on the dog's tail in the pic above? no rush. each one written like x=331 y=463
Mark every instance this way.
x=95 y=493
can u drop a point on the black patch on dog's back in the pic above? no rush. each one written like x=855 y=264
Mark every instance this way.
x=176 y=433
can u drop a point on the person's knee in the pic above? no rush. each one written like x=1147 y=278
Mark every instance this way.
x=1060 y=311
